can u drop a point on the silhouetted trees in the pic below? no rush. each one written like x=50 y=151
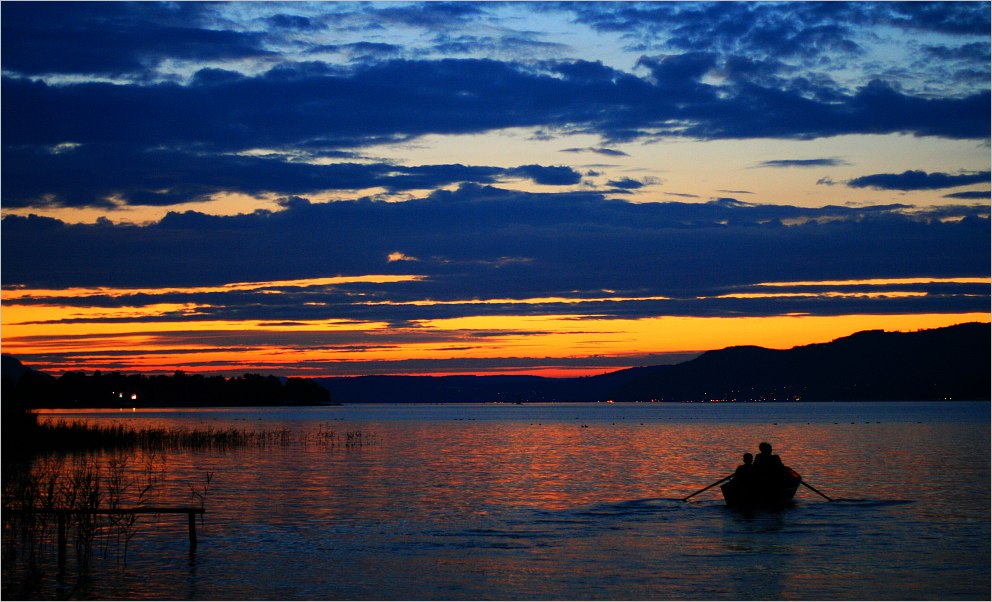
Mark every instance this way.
x=115 y=390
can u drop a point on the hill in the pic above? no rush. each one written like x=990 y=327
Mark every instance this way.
x=943 y=363
x=12 y=369
x=478 y=389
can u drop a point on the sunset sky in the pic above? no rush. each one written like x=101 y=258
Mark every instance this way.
x=432 y=188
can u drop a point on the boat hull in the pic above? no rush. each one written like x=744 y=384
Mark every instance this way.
x=779 y=493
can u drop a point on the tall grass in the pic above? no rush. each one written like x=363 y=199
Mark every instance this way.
x=30 y=493
x=68 y=436
x=75 y=465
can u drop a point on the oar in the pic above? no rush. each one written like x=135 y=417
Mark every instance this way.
x=729 y=476
x=816 y=490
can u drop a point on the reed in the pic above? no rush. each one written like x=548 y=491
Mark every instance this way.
x=29 y=492
x=76 y=465
x=68 y=436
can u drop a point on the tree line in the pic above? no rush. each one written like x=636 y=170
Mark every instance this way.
x=117 y=390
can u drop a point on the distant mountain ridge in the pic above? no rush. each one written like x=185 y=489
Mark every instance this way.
x=12 y=369
x=943 y=363
x=926 y=365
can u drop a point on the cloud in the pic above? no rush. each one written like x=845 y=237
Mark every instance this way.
x=335 y=108
x=956 y=19
x=663 y=258
x=551 y=176
x=523 y=45
x=444 y=15
x=161 y=104
x=970 y=53
x=821 y=49
x=609 y=152
x=104 y=174
x=360 y=51
x=293 y=23
x=754 y=29
x=115 y=38
x=119 y=37
x=969 y=195
x=626 y=184
x=919 y=180
x=803 y=163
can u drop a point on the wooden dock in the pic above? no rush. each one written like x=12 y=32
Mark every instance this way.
x=62 y=513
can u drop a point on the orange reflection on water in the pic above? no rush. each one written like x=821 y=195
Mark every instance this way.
x=465 y=466
x=511 y=505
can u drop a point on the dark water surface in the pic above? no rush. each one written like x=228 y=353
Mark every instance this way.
x=563 y=502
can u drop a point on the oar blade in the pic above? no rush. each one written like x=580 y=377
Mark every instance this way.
x=817 y=491
x=686 y=498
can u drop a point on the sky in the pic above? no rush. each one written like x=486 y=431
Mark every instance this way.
x=561 y=189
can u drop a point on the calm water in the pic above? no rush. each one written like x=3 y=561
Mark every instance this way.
x=566 y=502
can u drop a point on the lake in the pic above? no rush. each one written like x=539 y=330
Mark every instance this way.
x=560 y=501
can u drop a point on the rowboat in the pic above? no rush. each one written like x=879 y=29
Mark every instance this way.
x=777 y=493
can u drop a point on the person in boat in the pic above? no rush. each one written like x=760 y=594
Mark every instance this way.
x=743 y=479
x=768 y=467
x=745 y=471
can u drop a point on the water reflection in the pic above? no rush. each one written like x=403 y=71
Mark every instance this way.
x=576 y=507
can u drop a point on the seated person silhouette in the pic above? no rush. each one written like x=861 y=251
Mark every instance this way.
x=744 y=475
x=768 y=467
x=744 y=471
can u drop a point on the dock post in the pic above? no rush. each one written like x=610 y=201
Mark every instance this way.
x=61 y=517
x=192 y=532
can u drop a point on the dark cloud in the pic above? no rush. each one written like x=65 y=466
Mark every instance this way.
x=626 y=184
x=779 y=163
x=956 y=18
x=609 y=152
x=114 y=38
x=100 y=175
x=571 y=245
x=165 y=103
x=525 y=45
x=111 y=361
x=281 y=310
x=919 y=180
x=427 y=14
x=970 y=194
x=294 y=23
x=678 y=70
x=972 y=53
x=316 y=106
x=361 y=51
x=558 y=175
x=132 y=39
x=804 y=46
x=765 y=29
